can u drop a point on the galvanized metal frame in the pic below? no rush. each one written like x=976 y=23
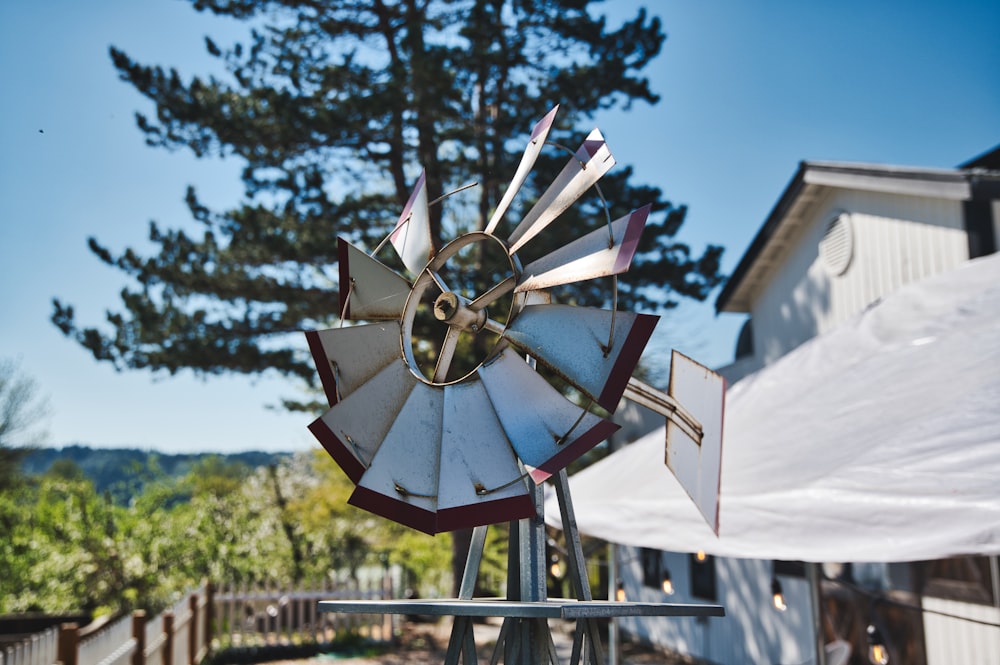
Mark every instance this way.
x=525 y=637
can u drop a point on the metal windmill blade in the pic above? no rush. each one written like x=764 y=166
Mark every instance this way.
x=592 y=160
x=354 y=428
x=402 y=483
x=348 y=357
x=588 y=257
x=547 y=430
x=434 y=440
x=531 y=152
x=412 y=236
x=368 y=289
x=576 y=343
x=495 y=491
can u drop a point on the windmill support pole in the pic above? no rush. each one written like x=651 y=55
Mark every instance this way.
x=814 y=575
x=612 y=588
x=531 y=533
x=472 y=563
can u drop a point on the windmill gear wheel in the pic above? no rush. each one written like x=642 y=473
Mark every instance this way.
x=457 y=312
x=439 y=448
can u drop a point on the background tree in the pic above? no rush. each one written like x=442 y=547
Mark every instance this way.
x=68 y=547
x=22 y=411
x=333 y=107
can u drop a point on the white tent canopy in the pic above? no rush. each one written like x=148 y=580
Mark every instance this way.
x=879 y=441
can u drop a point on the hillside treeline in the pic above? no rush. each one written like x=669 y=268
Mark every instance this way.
x=67 y=546
x=122 y=472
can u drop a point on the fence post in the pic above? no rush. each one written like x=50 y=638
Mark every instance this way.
x=69 y=643
x=192 y=644
x=209 y=614
x=168 y=638
x=139 y=635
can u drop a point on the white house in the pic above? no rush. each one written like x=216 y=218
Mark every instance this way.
x=840 y=237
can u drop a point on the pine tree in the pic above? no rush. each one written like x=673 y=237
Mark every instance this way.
x=333 y=107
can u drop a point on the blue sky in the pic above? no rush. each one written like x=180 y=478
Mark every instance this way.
x=748 y=90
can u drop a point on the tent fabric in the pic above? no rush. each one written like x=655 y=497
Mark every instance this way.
x=878 y=441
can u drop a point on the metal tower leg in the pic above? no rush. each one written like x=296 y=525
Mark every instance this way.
x=524 y=640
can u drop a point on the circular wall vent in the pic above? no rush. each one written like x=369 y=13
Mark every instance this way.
x=837 y=246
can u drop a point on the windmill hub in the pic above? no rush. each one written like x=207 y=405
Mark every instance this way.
x=454 y=310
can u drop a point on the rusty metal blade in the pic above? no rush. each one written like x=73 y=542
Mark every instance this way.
x=538 y=135
x=353 y=430
x=588 y=257
x=412 y=235
x=480 y=481
x=592 y=160
x=368 y=288
x=545 y=429
x=571 y=341
x=347 y=357
x=401 y=483
x=697 y=465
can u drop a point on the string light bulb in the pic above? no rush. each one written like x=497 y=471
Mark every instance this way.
x=878 y=652
x=620 y=591
x=700 y=556
x=777 y=596
x=668 y=586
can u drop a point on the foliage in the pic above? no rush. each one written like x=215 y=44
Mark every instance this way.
x=67 y=547
x=124 y=472
x=21 y=411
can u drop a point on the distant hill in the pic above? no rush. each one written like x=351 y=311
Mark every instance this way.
x=123 y=471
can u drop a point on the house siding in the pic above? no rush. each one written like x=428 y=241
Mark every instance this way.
x=995 y=206
x=951 y=640
x=896 y=240
x=752 y=632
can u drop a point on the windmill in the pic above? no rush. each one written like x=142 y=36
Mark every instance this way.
x=437 y=444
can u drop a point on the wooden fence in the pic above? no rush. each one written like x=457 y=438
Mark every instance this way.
x=205 y=619
x=38 y=649
x=268 y=615
x=178 y=636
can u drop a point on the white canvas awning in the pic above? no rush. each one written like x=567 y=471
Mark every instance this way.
x=879 y=441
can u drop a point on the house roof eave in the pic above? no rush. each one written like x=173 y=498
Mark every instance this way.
x=808 y=180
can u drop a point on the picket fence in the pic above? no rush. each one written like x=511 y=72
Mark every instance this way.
x=204 y=620
x=269 y=615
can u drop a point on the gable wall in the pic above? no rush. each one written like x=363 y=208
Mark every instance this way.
x=996 y=222
x=752 y=631
x=896 y=240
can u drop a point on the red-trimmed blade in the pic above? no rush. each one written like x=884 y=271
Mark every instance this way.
x=368 y=288
x=480 y=482
x=546 y=430
x=538 y=135
x=412 y=236
x=352 y=431
x=592 y=160
x=347 y=357
x=588 y=257
x=571 y=340
x=401 y=483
